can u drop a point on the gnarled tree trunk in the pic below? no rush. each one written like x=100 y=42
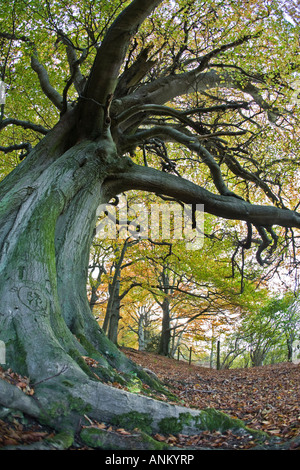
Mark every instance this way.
x=47 y=224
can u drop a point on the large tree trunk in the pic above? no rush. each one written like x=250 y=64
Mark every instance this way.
x=48 y=214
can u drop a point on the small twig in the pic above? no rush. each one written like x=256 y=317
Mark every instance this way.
x=91 y=99
x=89 y=420
x=64 y=368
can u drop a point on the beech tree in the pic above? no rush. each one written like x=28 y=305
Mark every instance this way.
x=94 y=88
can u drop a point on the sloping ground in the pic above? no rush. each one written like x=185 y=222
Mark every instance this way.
x=266 y=398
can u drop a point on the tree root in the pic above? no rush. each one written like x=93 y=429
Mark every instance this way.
x=74 y=410
x=61 y=441
x=110 y=440
x=12 y=397
x=69 y=402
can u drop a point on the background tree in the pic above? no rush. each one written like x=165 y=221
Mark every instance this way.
x=97 y=267
x=266 y=334
x=144 y=323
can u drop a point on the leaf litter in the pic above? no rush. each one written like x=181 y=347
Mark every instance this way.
x=265 y=398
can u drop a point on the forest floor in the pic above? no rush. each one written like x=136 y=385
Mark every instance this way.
x=265 y=398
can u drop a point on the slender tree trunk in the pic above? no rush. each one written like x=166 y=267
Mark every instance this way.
x=114 y=313
x=165 y=337
x=218 y=356
x=94 y=297
x=141 y=332
x=212 y=352
x=289 y=343
x=112 y=316
x=95 y=283
x=257 y=357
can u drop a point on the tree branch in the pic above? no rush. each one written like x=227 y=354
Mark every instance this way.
x=24 y=124
x=191 y=142
x=74 y=62
x=24 y=146
x=47 y=88
x=110 y=56
x=165 y=89
x=228 y=207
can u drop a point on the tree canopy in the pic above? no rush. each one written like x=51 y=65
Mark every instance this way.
x=238 y=125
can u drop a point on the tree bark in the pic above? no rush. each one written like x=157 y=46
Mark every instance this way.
x=48 y=213
x=164 y=344
x=113 y=311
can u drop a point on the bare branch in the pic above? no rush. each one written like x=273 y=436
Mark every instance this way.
x=165 y=89
x=74 y=63
x=134 y=74
x=14 y=37
x=47 y=88
x=24 y=124
x=24 y=146
x=191 y=142
x=110 y=56
x=228 y=207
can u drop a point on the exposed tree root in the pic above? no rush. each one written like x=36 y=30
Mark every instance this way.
x=13 y=397
x=69 y=406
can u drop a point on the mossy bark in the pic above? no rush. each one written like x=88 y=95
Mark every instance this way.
x=47 y=217
x=101 y=439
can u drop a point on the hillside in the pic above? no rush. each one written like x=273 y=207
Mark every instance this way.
x=265 y=398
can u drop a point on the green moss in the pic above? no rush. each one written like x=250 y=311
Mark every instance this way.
x=57 y=410
x=62 y=440
x=93 y=437
x=208 y=419
x=174 y=425
x=103 y=370
x=91 y=350
x=133 y=420
x=170 y=426
x=68 y=383
x=17 y=360
x=78 y=405
x=134 y=384
x=80 y=361
x=152 y=444
x=65 y=410
x=213 y=420
x=97 y=438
